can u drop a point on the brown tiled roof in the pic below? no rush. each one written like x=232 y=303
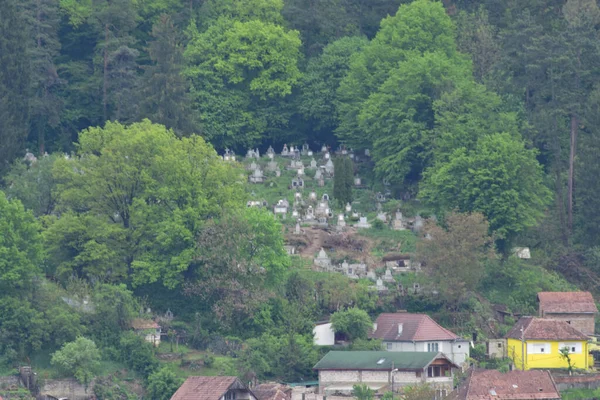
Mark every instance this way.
x=272 y=391
x=567 y=302
x=206 y=387
x=544 y=329
x=140 y=323
x=415 y=327
x=513 y=385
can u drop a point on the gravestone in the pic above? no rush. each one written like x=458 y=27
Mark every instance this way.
x=327 y=156
x=278 y=172
x=281 y=207
x=418 y=224
x=318 y=175
x=298 y=183
x=341 y=222
x=325 y=197
x=253 y=166
x=295 y=213
x=310 y=214
x=256 y=177
x=357 y=181
x=310 y=153
x=285 y=152
x=367 y=153
x=371 y=275
x=329 y=168
x=348 y=207
x=312 y=196
x=322 y=259
x=297 y=229
x=313 y=163
x=388 y=276
x=272 y=166
x=382 y=217
x=362 y=223
x=379 y=285
x=301 y=172
x=305 y=149
x=323 y=149
x=398 y=222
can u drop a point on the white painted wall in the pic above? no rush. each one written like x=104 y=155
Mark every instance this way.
x=323 y=335
x=458 y=352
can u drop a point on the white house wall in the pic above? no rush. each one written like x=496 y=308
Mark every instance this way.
x=324 y=335
x=458 y=352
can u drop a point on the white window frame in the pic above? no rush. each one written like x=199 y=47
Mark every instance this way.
x=574 y=347
x=432 y=347
x=539 y=348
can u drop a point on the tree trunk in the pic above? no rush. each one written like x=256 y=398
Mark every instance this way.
x=574 y=123
x=105 y=77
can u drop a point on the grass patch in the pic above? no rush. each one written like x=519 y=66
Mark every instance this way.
x=390 y=240
x=580 y=394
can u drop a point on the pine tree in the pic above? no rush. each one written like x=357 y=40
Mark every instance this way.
x=164 y=90
x=42 y=17
x=343 y=180
x=14 y=82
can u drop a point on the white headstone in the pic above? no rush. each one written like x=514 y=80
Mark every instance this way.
x=348 y=207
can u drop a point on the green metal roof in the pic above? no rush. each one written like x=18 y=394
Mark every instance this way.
x=382 y=360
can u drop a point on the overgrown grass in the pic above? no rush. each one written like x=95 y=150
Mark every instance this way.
x=390 y=240
x=580 y=394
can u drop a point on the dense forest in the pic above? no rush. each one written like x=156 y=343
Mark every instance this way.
x=114 y=196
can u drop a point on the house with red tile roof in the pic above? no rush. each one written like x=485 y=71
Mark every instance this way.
x=539 y=343
x=213 y=388
x=404 y=331
x=272 y=391
x=575 y=308
x=489 y=384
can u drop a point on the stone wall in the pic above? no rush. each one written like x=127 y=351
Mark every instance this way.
x=582 y=322
x=8 y=381
x=588 y=381
x=69 y=388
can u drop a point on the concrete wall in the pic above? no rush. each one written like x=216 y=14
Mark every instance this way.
x=8 y=381
x=69 y=388
x=496 y=348
x=324 y=335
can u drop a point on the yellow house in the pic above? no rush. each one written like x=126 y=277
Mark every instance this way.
x=535 y=343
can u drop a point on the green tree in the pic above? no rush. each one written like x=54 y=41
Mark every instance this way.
x=114 y=308
x=353 y=322
x=499 y=178
x=137 y=196
x=138 y=354
x=317 y=101
x=33 y=184
x=23 y=329
x=163 y=383
x=456 y=254
x=417 y=28
x=343 y=180
x=79 y=359
x=43 y=21
x=240 y=259
x=363 y=392
x=164 y=94
x=237 y=69
x=21 y=250
x=14 y=83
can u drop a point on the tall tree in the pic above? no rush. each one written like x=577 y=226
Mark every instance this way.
x=43 y=22
x=343 y=180
x=164 y=94
x=237 y=71
x=14 y=82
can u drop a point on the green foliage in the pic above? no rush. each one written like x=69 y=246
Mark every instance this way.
x=499 y=178
x=343 y=180
x=363 y=392
x=22 y=328
x=163 y=383
x=138 y=354
x=353 y=322
x=114 y=308
x=79 y=359
x=21 y=248
x=456 y=254
x=236 y=68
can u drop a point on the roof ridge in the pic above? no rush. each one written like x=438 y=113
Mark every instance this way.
x=420 y=324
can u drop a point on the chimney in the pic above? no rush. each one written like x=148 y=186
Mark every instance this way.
x=374 y=326
x=399 y=329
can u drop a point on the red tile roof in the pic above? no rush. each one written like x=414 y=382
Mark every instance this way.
x=140 y=323
x=513 y=385
x=415 y=327
x=544 y=329
x=567 y=302
x=272 y=391
x=207 y=387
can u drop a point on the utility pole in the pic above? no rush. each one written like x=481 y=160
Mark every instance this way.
x=392 y=372
x=522 y=349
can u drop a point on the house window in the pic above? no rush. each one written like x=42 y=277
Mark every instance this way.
x=499 y=345
x=574 y=348
x=434 y=371
x=389 y=346
x=433 y=347
x=230 y=395
x=538 y=348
